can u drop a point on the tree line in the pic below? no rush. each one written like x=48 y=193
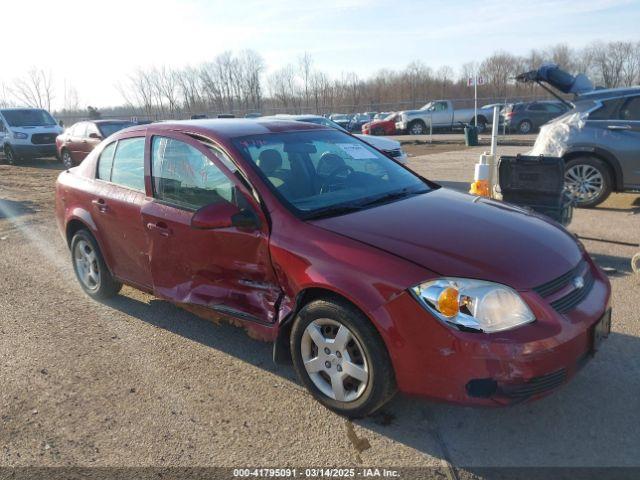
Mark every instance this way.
x=238 y=83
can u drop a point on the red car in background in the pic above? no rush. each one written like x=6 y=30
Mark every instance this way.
x=386 y=126
x=366 y=276
x=77 y=141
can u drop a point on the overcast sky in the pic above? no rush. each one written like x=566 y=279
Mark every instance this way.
x=93 y=45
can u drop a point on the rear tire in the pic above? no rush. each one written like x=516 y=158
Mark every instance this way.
x=90 y=268
x=351 y=372
x=417 y=127
x=588 y=181
x=525 y=127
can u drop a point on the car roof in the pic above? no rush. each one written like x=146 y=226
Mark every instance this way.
x=609 y=93
x=109 y=120
x=230 y=127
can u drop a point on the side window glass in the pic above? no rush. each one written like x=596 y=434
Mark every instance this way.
x=91 y=128
x=631 y=109
x=605 y=112
x=79 y=130
x=185 y=177
x=128 y=163
x=105 y=162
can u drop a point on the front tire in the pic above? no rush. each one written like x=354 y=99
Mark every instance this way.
x=377 y=131
x=10 y=156
x=341 y=359
x=65 y=158
x=90 y=268
x=588 y=181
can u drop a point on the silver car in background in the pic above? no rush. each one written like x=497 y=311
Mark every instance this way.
x=599 y=140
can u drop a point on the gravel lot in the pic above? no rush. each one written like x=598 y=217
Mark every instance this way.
x=138 y=381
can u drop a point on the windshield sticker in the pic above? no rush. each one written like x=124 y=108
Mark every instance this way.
x=356 y=151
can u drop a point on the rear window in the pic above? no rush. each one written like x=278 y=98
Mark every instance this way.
x=28 y=118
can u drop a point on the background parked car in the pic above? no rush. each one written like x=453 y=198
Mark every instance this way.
x=527 y=117
x=29 y=133
x=382 y=115
x=341 y=119
x=600 y=142
x=384 y=126
x=443 y=116
x=358 y=120
x=78 y=140
x=392 y=148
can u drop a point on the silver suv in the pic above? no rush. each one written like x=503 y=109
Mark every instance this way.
x=599 y=138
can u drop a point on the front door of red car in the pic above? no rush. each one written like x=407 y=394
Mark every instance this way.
x=116 y=204
x=223 y=267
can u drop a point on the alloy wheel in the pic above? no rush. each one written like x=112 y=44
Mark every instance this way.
x=86 y=263
x=334 y=360
x=416 y=129
x=583 y=182
x=525 y=127
x=67 y=161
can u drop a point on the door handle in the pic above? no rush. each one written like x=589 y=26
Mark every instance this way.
x=619 y=127
x=100 y=204
x=159 y=227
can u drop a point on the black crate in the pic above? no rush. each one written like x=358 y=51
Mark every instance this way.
x=528 y=174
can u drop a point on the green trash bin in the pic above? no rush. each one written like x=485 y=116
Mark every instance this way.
x=470 y=136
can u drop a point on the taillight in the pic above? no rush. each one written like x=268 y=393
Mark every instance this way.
x=508 y=115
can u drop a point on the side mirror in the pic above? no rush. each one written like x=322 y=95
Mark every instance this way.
x=95 y=135
x=224 y=215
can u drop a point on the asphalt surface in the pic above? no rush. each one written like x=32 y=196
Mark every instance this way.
x=137 y=381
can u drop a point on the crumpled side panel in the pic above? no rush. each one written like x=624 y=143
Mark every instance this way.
x=553 y=138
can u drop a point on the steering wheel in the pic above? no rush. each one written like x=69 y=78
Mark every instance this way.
x=331 y=178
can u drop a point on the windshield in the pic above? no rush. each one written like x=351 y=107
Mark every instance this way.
x=28 y=118
x=327 y=172
x=426 y=106
x=108 y=129
x=391 y=116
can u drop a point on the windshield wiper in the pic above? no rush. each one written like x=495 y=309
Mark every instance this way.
x=333 y=211
x=388 y=197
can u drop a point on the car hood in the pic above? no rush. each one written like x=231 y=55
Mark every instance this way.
x=380 y=143
x=458 y=235
x=409 y=113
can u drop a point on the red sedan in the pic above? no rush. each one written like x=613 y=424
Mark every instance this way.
x=385 y=126
x=369 y=278
x=78 y=140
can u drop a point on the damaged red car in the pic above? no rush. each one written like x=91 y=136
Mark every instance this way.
x=368 y=277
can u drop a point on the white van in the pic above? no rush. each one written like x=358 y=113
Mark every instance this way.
x=28 y=133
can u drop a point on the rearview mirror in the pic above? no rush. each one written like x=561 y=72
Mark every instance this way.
x=95 y=135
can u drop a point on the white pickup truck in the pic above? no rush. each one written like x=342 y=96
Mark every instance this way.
x=442 y=116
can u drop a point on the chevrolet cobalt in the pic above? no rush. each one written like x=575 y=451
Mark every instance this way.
x=369 y=278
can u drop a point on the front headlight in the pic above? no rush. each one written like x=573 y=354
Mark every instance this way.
x=474 y=304
x=20 y=135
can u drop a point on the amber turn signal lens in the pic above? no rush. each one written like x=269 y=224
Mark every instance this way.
x=448 y=302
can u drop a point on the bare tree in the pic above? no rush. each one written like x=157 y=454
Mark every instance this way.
x=34 y=89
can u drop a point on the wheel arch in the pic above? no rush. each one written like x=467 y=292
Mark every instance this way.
x=81 y=219
x=607 y=157
x=281 y=348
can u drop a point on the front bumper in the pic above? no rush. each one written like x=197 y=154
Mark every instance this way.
x=34 y=151
x=436 y=361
